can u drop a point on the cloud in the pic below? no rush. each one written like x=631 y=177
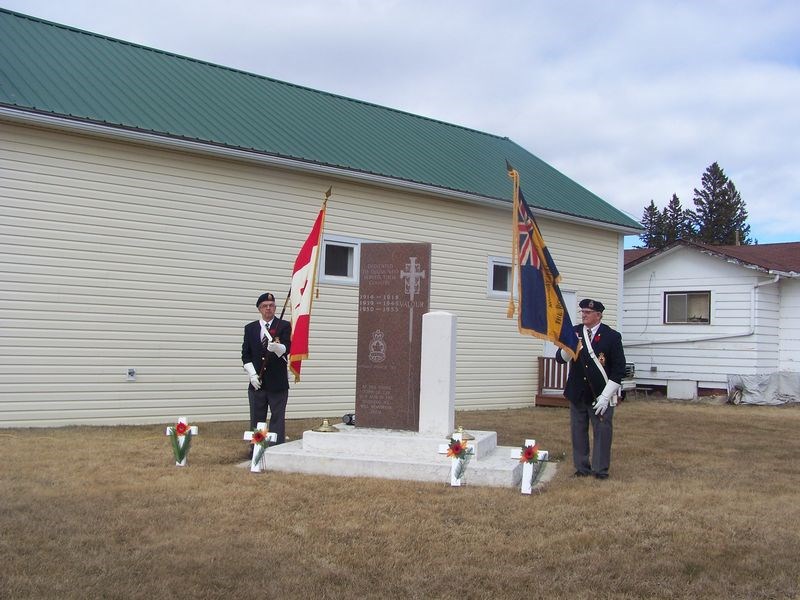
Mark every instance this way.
x=632 y=99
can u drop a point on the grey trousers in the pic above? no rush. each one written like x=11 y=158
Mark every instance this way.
x=260 y=401
x=581 y=414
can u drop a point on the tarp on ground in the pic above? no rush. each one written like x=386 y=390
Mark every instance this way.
x=772 y=389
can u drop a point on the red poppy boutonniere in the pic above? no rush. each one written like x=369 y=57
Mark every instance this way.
x=596 y=338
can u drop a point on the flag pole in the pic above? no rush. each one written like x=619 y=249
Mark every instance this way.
x=286 y=302
x=324 y=210
x=512 y=172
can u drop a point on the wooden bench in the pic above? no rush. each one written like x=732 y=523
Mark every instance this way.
x=552 y=379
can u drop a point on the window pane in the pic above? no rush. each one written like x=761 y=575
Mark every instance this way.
x=501 y=278
x=697 y=308
x=676 y=308
x=338 y=260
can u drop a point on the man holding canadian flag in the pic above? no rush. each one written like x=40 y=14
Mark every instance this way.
x=301 y=295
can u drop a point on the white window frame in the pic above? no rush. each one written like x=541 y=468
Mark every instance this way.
x=348 y=242
x=492 y=262
x=686 y=294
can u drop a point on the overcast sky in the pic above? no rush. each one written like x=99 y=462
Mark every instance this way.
x=633 y=100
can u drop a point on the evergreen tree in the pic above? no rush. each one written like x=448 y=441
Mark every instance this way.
x=653 y=223
x=720 y=216
x=676 y=221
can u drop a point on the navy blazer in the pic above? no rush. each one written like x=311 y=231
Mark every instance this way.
x=584 y=376
x=275 y=377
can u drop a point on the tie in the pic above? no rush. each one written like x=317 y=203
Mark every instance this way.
x=265 y=339
x=589 y=334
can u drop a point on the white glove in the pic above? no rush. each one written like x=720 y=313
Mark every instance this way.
x=277 y=348
x=254 y=380
x=601 y=404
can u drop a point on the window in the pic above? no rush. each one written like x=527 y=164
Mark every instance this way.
x=499 y=277
x=687 y=307
x=339 y=260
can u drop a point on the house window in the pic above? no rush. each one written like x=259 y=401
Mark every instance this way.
x=499 y=277
x=340 y=260
x=687 y=307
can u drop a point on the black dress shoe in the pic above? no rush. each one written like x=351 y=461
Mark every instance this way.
x=580 y=474
x=600 y=476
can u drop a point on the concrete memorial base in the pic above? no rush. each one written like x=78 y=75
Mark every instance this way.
x=395 y=454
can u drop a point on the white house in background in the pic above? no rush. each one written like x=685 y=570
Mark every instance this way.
x=694 y=314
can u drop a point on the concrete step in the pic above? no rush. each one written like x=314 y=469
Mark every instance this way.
x=390 y=454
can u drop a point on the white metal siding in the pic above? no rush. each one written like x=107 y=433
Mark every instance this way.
x=789 y=329
x=704 y=352
x=115 y=255
x=588 y=260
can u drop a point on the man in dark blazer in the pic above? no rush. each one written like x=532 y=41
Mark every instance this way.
x=593 y=382
x=265 y=351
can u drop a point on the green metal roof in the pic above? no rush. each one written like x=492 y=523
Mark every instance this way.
x=56 y=70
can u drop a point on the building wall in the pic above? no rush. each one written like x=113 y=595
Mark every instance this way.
x=740 y=339
x=789 y=330
x=117 y=256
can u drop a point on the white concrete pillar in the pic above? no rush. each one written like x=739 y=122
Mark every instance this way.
x=437 y=381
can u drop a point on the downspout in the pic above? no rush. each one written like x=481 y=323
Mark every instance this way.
x=754 y=300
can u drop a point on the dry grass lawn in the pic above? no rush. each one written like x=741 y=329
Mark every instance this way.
x=703 y=502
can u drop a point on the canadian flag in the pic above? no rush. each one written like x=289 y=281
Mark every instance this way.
x=304 y=278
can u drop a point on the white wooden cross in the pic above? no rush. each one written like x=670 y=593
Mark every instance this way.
x=456 y=469
x=258 y=462
x=182 y=439
x=527 y=468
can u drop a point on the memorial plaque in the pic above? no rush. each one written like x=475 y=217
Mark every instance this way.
x=393 y=295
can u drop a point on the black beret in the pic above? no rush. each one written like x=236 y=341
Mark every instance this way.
x=593 y=304
x=264 y=298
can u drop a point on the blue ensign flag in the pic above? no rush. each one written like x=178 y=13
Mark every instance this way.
x=542 y=311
